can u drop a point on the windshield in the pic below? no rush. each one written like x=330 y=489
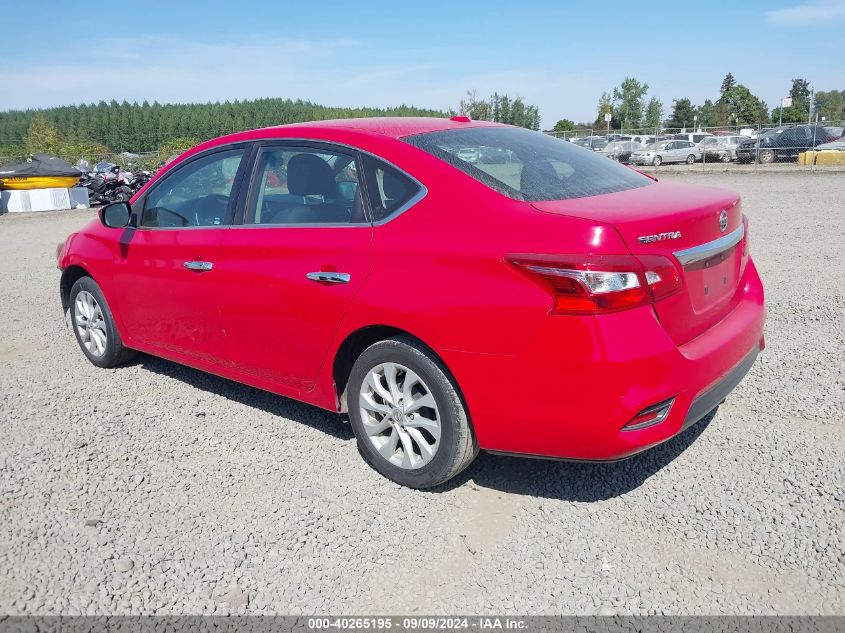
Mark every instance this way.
x=534 y=166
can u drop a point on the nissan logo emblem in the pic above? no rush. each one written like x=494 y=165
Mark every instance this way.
x=723 y=221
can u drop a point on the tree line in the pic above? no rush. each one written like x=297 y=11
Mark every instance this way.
x=146 y=127
x=93 y=130
x=735 y=106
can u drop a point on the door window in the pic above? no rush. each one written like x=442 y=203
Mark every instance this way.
x=197 y=194
x=302 y=185
x=388 y=188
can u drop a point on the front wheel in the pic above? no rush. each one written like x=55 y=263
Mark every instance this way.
x=690 y=159
x=93 y=325
x=657 y=161
x=767 y=156
x=407 y=416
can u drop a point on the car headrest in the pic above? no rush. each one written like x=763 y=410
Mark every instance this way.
x=537 y=175
x=310 y=175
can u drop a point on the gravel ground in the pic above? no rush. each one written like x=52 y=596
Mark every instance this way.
x=154 y=488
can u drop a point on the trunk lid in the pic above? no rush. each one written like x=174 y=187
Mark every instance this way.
x=681 y=222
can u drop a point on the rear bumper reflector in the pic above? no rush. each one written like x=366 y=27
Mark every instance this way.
x=655 y=414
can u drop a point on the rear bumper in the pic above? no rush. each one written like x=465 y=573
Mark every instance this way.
x=571 y=392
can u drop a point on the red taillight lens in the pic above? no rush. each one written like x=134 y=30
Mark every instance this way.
x=598 y=284
x=661 y=275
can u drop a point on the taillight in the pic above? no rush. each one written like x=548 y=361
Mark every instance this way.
x=598 y=284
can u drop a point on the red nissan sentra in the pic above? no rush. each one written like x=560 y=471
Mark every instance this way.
x=453 y=285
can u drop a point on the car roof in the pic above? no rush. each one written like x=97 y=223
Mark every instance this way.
x=343 y=130
x=394 y=127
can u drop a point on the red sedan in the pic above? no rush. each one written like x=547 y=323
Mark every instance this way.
x=452 y=285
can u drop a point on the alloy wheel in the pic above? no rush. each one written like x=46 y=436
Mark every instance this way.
x=90 y=324
x=400 y=416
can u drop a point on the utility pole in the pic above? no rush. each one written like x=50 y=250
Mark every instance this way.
x=810 y=106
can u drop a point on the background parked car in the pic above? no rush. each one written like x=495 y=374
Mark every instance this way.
x=694 y=137
x=594 y=143
x=621 y=150
x=667 y=152
x=468 y=154
x=721 y=148
x=783 y=143
x=837 y=145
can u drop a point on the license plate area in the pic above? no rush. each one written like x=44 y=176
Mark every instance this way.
x=712 y=281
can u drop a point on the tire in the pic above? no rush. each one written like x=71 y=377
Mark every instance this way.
x=381 y=441
x=690 y=159
x=657 y=161
x=93 y=325
x=725 y=158
x=767 y=156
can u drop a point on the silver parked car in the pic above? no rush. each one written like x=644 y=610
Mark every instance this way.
x=620 y=150
x=667 y=152
x=721 y=148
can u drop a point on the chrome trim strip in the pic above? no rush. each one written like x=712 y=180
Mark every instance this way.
x=710 y=249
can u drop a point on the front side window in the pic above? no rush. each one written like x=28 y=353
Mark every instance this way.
x=196 y=194
x=303 y=185
x=529 y=166
x=388 y=188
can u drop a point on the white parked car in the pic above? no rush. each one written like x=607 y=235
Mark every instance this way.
x=694 y=137
x=721 y=148
x=672 y=151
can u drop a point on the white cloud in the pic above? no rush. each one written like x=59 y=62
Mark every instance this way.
x=329 y=72
x=812 y=12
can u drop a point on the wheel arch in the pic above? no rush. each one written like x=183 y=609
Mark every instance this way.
x=359 y=340
x=70 y=276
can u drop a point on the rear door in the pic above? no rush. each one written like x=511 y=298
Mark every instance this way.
x=299 y=252
x=166 y=273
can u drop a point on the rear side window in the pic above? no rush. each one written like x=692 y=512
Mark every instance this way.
x=388 y=188
x=526 y=165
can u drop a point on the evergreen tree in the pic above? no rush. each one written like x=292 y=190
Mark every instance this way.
x=683 y=114
x=653 y=113
x=727 y=83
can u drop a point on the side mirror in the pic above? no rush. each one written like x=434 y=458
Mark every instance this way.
x=115 y=215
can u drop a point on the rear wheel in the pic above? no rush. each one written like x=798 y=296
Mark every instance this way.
x=657 y=161
x=93 y=325
x=725 y=158
x=690 y=159
x=409 y=421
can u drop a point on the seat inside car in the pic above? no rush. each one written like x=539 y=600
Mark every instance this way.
x=310 y=175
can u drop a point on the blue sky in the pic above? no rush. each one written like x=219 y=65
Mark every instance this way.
x=559 y=55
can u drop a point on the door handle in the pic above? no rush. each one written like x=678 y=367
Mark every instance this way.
x=199 y=266
x=329 y=277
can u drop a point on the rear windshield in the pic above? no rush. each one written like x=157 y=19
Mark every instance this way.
x=527 y=165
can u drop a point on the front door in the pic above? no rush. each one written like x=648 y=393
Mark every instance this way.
x=166 y=271
x=292 y=267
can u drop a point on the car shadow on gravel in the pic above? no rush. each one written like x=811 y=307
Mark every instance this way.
x=575 y=481
x=265 y=401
